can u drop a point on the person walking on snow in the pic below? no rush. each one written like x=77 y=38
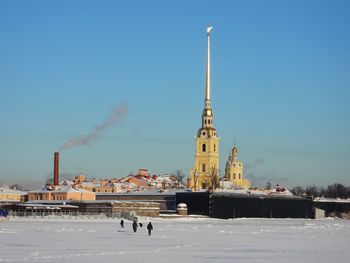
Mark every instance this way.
x=134 y=226
x=149 y=228
x=122 y=223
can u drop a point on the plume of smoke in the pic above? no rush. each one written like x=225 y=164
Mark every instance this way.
x=116 y=114
x=264 y=176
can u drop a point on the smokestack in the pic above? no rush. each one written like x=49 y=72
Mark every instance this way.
x=55 y=168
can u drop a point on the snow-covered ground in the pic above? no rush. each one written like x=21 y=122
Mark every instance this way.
x=175 y=240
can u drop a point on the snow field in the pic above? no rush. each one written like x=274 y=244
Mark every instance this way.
x=175 y=240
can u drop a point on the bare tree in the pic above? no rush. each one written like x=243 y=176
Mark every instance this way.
x=268 y=186
x=298 y=190
x=337 y=190
x=195 y=176
x=312 y=191
x=213 y=180
x=179 y=177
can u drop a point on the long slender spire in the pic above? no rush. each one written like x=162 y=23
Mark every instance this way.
x=207 y=115
x=207 y=85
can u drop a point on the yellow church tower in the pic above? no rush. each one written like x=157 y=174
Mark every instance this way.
x=206 y=165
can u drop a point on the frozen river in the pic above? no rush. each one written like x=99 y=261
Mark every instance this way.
x=175 y=240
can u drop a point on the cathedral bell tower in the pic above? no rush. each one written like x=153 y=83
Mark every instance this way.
x=207 y=142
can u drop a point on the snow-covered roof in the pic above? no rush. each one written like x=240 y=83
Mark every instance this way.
x=252 y=195
x=331 y=200
x=47 y=206
x=236 y=191
x=90 y=184
x=280 y=190
x=146 y=192
x=64 y=189
x=11 y=191
x=118 y=184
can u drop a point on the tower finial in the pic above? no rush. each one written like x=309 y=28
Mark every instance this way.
x=209 y=29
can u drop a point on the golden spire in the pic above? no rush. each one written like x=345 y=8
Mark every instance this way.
x=207 y=115
x=207 y=84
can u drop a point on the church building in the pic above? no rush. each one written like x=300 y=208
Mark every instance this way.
x=206 y=167
x=234 y=170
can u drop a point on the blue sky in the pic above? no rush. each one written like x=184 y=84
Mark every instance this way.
x=280 y=86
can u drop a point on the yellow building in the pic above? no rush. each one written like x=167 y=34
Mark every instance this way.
x=204 y=173
x=234 y=170
x=10 y=195
x=64 y=193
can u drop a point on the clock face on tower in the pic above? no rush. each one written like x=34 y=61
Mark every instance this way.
x=208 y=112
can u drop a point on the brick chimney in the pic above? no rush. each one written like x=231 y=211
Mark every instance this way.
x=55 y=169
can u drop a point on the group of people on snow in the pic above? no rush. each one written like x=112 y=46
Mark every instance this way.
x=135 y=226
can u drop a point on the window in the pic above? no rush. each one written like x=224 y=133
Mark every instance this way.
x=239 y=176
x=203 y=167
x=205 y=121
x=214 y=147
x=234 y=176
x=204 y=147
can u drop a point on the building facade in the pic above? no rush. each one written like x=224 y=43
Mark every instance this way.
x=11 y=195
x=64 y=193
x=206 y=166
x=234 y=170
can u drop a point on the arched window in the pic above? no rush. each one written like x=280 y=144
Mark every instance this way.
x=214 y=147
x=204 y=147
x=203 y=167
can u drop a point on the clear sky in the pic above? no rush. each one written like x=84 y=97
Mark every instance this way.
x=280 y=87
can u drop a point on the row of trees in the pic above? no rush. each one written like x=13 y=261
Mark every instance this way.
x=334 y=190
